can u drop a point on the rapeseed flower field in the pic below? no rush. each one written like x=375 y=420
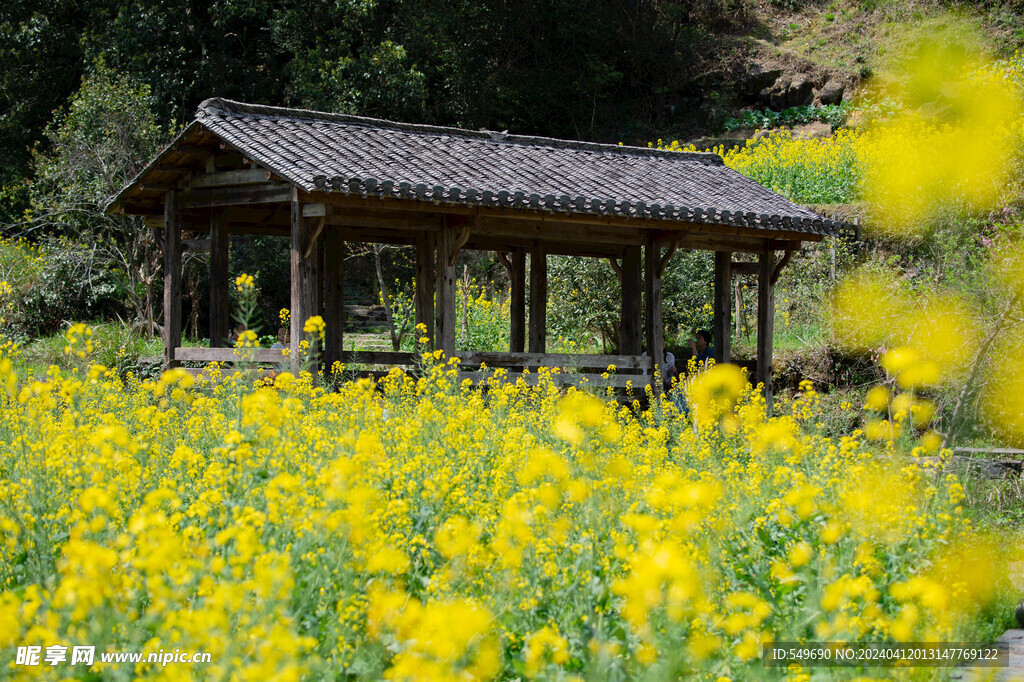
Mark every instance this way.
x=426 y=529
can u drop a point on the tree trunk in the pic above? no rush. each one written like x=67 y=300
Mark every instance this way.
x=385 y=298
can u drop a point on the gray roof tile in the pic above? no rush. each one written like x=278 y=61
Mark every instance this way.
x=350 y=154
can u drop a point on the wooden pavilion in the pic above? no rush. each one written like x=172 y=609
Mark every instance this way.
x=324 y=179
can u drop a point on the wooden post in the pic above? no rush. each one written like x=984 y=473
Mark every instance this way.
x=425 y=284
x=538 y=298
x=444 y=334
x=655 y=326
x=723 y=307
x=172 y=279
x=319 y=255
x=334 y=297
x=630 y=322
x=517 y=301
x=303 y=271
x=220 y=319
x=765 y=323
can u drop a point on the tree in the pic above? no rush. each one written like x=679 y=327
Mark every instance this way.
x=100 y=141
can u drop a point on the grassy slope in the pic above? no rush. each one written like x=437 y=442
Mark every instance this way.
x=861 y=36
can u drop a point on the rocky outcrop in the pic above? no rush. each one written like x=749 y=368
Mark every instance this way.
x=780 y=83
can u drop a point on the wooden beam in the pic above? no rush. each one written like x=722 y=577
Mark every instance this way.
x=425 y=285
x=233 y=178
x=653 y=304
x=517 y=301
x=191 y=354
x=220 y=318
x=254 y=194
x=538 y=298
x=444 y=333
x=581 y=361
x=195 y=246
x=461 y=241
x=172 y=280
x=157 y=186
x=781 y=264
x=561 y=379
x=723 y=307
x=551 y=248
x=190 y=150
x=616 y=268
x=313 y=237
x=630 y=315
x=765 y=324
x=303 y=279
x=749 y=269
x=668 y=256
x=555 y=218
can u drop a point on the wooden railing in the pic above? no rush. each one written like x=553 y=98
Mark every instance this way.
x=628 y=370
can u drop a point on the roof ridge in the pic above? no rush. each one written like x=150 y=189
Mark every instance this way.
x=219 y=106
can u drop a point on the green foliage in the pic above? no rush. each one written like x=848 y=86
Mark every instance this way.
x=833 y=114
x=73 y=284
x=584 y=298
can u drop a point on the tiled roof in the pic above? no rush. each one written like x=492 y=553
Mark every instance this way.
x=333 y=152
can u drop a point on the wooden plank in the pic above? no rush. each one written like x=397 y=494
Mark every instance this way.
x=630 y=318
x=232 y=178
x=563 y=379
x=190 y=354
x=1015 y=452
x=190 y=150
x=444 y=333
x=748 y=269
x=334 y=297
x=723 y=307
x=314 y=210
x=269 y=192
x=517 y=300
x=378 y=358
x=586 y=361
x=538 y=298
x=303 y=279
x=425 y=285
x=195 y=246
x=172 y=280
x=655 y=329
x=765 y=324
x=220 y=318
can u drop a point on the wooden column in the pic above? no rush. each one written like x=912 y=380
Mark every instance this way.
x=425 y=284
x=220 y=317
x=538 y=298
x=319 y=254
x=334 y=296
x=172 y=279
x=655 y=326
x=723 y=307
x=765 y=323
x=303 y=298
x=444 y=333
x=631 y=323
x=517 y=301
